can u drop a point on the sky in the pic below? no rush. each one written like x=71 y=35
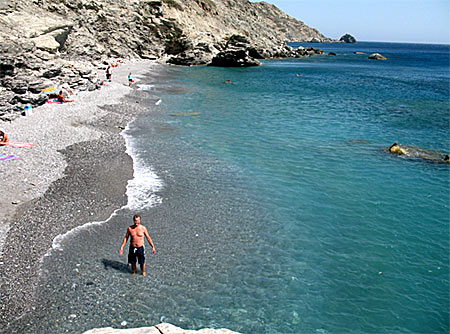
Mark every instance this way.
x=415 y=21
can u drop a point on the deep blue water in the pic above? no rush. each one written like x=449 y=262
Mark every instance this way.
x=275 y=208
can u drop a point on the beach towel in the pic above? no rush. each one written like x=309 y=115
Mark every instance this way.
x=23 y=145
x=7 y=157
x=54 y=101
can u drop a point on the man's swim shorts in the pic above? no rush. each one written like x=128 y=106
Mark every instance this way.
x=136 y=252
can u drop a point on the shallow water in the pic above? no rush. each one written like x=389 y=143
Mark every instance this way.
x=273 y=207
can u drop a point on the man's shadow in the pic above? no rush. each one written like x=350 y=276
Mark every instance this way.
x=116 y=265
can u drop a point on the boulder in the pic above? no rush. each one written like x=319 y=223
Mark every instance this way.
x=377 y=56
x=347 y=38
x=46 y=43
x=200 y=54
x=258 y=53
x=237 y=42
x=234 y=58
x=164 y=328
x=237 y=53
x=190 y=57
x=52 y=72
x=37 y=85
x=32 y=99
x=149 y=56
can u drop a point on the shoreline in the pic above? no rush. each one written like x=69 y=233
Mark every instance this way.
x=76 y=172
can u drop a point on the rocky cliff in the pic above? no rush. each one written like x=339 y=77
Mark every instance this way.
x=49 y=42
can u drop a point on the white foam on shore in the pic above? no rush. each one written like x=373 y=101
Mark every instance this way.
x=57 y=241
x=141 y=190
x=141 y=193
x=146 y=87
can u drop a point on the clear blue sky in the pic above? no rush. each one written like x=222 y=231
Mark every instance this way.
x=419 y=21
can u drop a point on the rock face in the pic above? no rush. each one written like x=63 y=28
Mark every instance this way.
x=236 y=54
x=46 y=43
x=347 y=38
x=163 y=328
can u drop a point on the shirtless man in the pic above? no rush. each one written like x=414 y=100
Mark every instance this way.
x=396 y=149
x=61 y=97
x=137 y=249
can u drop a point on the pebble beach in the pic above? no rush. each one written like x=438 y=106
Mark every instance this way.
x=76 y=172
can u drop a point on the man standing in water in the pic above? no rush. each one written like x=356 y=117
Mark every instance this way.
x=137 y=249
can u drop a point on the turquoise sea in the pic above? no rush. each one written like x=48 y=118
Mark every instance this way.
x=273 y=205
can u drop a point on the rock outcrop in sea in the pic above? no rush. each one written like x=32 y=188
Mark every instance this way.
x=347 y=38
x=45 y=43
x=377 y=56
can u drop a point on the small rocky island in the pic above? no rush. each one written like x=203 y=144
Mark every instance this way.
x=347 y=38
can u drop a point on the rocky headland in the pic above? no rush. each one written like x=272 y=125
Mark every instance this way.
x=45 y=43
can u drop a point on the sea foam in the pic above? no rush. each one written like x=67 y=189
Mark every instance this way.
x=141 y=193
x=141 y=190
x=146 y=87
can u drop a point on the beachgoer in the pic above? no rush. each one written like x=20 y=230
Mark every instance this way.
x=66 y=89
x=130 y=79
x=3 y=138
x=61 y=97
x=137 y=232
x=396 y=149
x=108 y=73
x=447 y=158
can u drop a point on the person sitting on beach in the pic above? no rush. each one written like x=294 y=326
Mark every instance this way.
x=61 y=97
x=3 y=138
x=66 y=89
x=137 y=232
x=396 y=149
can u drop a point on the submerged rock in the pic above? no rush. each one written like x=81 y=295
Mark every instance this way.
x=377 y=56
